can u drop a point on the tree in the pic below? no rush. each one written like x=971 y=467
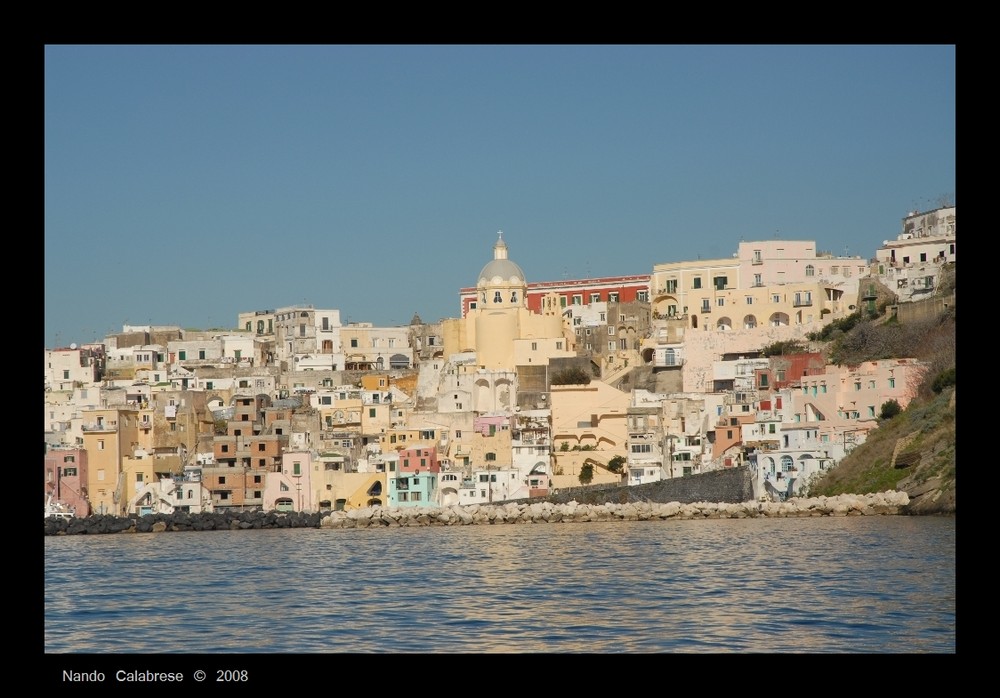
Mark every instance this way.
x=616 y=464
x=586 y=473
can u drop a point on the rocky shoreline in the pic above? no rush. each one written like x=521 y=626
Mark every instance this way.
x=878 y=504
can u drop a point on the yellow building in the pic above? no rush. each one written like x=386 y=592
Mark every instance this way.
x=500 y=328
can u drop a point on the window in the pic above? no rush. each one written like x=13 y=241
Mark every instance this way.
x=641 y=448
x=65 y=375
x=671 y=285
x=497 y=298
x=201 y=353
x=720 y=302
x=595 y=297
x=770 y=428
x=611 y=345
x=642 y=296
x=775 y=298
x=757 y=280
x=720 y=282
x=256 y=479
x=577 y=299
x=261 y=447
x=857 y=385
x=225 y=448
x=222 y=479
x=534 y=345
x=603 y=317
x=138 y=476
x=490 y=457
x=100 y=444
x=705 y=307
x=892 y=382
x=296 y=468
x=697 y=282
x=749 y=300
x=354 y=342
x=613 y=297
x=182 y=355
x=871 y=410
x=810 y=270
x=371 y=412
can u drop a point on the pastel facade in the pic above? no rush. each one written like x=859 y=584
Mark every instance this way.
x=911 y=265
x=66 y=477
x=290 y=486
x=108 y=435
x=605 y=289
x=68 y=368
x=501 y=319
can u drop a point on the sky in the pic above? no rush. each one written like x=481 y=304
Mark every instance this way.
x=186 y=184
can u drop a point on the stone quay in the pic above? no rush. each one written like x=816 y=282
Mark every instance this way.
x=879 y=504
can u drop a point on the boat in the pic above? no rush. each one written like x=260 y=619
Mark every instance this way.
x=58 y=510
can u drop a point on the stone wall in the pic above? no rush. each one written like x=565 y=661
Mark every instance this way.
x=729 y=485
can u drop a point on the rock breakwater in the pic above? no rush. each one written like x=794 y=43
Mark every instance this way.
x=879 y=504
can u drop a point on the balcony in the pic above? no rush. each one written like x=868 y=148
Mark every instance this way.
x=802 y=302
x=100 y=426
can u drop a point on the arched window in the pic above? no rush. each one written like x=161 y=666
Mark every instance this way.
x=513 y=296
x=810 y=270
x=497 y=298
x=786 y=463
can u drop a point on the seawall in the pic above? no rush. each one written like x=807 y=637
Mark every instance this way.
x=880 y=504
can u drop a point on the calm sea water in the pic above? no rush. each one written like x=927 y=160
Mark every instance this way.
x=818 y=585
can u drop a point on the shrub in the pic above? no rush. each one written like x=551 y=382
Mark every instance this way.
x=890 y=409
x=586 y=473
x=616 y=464
x=943 y=380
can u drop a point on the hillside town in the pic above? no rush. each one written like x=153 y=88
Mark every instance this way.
x=536 y=386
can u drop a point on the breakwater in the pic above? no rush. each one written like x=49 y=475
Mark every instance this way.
x=878 y=504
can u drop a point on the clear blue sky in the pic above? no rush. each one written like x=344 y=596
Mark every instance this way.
x=187 y=184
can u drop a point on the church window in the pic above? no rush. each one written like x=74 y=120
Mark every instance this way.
x=496 y=297
x=513 y=296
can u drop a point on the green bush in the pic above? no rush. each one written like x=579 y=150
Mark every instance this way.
x=890 y=409
x=616 y=464
x=943 y=380
x=586 y=473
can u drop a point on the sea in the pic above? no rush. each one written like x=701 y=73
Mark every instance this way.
x=827 y=585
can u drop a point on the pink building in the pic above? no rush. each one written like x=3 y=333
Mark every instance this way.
x=421 y=459
x=66 y=479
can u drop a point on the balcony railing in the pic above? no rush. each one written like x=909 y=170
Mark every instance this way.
x=100 y=426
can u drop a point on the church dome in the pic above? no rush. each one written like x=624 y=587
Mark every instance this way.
x=501 y=271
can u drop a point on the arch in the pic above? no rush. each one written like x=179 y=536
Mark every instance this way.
x=374 y=502
x=724 y=324
x=284 y=504
x=399 y=361
x=787 y=463
x=749 y=322
x=778 y=319
x=539 y=468
x=449 y=497
x=647 y=355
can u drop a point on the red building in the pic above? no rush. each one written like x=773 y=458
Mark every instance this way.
x=623 y=289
